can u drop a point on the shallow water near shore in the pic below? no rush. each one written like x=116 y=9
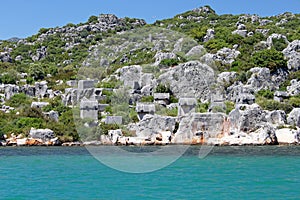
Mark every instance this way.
x=270 y=172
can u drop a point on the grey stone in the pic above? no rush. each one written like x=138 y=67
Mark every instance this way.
x=294 y=117
x=263 y=31
x=161 y=98
x=210 y=34
x=196 y=52
x=10 y=90
x=114 y=135
x=45 y=134
x=89 y=109
x=53 y=115
x=294 y=88
x=86 y=84
x=39 y=104
x=113 y=120
x=277 y=37
x=152 y=124
x=242 y=33
x=5 y=57
x=191 y=79
x=264 y=22
x=226 y=55
x=144 y=109
x=281 y=95
x=291 y=52
x=226 y=78
x=19 y=58
x=72 y=83
x=159 y=56
x=277 y=117
x=247 y=118
x=186 y=106
x=41 y=89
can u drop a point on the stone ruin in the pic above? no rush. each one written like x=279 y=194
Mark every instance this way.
x=162 y=98
x=186 y=106
x=89 y=109
x=144 y=108
x=113 y=120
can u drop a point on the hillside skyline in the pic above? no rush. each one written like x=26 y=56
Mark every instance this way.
x=29 y=17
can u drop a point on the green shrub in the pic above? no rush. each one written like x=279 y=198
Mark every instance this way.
x=265 y=93
x=147 y=99
x=269 y=58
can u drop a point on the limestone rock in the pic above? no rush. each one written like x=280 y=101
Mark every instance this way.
x=191 y=79
x=196 y=52
x=277 y=37
x=152 y=124
x=159 y=56
x=210 y=34
x=277 y=117
x=247 y=118
x=291 y=52
x=226 y=77
x=288 y=136
x=226 y=55
x=294 y=88
x=41 y=134
x=294 y=117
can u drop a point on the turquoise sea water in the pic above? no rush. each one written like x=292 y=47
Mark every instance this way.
x=227 y=173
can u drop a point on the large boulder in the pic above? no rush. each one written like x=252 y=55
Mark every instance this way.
x=200 y=126
x=275 y=36
x=45 y=134
x=294 y=117
x=277 y=117
x=152 y=124
x=291 y=52
x=294 y=88
x=247 y=118
x=226 y=55
x=191 y=79
x=288 y=136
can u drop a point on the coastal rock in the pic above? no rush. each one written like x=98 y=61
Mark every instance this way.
x=201 y=127
x=294 y=117
x=152 y=124
x=291 y=52
x=247 y=118
x=265 y=135
x=277 y=117
x=114 y=135
x=40 y=54
x=288 y=136
x=191 y=79
x=45 y=134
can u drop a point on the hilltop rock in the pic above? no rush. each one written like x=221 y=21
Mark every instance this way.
x=5 y=57
x=276 y=37
x=291 y=52
x=226 y=55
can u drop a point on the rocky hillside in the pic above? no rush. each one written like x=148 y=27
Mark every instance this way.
x=121 y=78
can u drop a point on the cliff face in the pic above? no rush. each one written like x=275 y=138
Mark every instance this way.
x=241 y=70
